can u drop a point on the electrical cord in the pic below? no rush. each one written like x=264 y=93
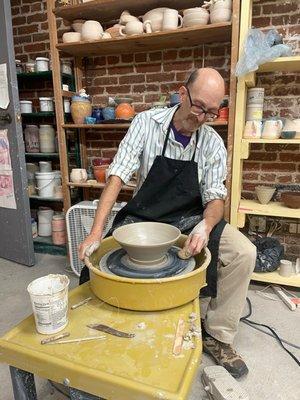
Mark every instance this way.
x=246 y=320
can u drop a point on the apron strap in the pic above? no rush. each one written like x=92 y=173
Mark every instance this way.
x=167 y=138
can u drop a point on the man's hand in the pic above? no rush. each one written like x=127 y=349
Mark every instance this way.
x=89 y=245
x=197 y=239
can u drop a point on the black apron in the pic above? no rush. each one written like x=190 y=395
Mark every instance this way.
x=171 y=194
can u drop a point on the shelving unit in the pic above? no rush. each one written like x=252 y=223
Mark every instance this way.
x=239 y=207
x=108 y=11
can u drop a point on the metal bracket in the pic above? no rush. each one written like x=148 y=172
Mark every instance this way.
x=23 y=384
x=76 y=394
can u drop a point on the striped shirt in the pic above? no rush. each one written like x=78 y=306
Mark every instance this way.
x=145 y=139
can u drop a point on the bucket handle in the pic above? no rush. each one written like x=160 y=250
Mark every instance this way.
x=47 y=184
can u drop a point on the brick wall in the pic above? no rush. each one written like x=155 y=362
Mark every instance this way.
x=146 y=76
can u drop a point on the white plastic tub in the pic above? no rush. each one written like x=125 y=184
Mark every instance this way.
x=45 y=216
x=46 y=104
x=42 y=64
x=49 y=299
x=255 y=96
x=254 y=112
x=26 y=106
x=46 y=181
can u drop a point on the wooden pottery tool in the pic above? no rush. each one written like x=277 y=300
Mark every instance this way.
x=78 y=340
x=55 y=338
x=81 y=303
x=111 y=331
x=178 y=337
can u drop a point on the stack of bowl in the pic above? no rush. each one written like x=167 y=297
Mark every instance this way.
x=195 y=16
x=220 y=11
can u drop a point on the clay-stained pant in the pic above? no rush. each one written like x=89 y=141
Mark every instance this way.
x=237 y=257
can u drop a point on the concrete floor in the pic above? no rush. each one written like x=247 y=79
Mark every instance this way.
x=273 y=374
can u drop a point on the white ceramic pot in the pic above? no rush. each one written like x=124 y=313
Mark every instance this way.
x=47 y=139
x=254 y=112
x=77 y=25
x=42 y=64
x=156 y=17
x=127 y=17
x=45 y=166
x=132 y=28
x=171 y=20
x=195 y=11
x=221 y=4
x=264 y=193
x=26 y=106
x=220 y=15
x=91 y=30
x=289 y=125
x=71 y=37
x=78 y=175
x=297 y=123
x=193 y=21
x=272 y=129
x=255 y=96
x=46 y=104
x=67 y=106
x=253 y=129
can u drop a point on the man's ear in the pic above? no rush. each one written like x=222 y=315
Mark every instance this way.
x=182 y=93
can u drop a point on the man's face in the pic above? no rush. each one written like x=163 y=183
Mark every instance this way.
x=199 y=104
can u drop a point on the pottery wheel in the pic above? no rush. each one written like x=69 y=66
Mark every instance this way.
x=117 y=262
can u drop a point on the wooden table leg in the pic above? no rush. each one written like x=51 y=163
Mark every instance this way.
x=23 y=384
x=76 y=394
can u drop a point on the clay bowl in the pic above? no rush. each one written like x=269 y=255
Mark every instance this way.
x=264 y=193
x=146 y=243
x=146 y=294
x=71 y=37
x=291 y=199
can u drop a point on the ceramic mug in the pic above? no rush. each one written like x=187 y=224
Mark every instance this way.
x=78 y=175
x=286 y=268
x=253 y=129
x=170 y=20
x=272 y=129
x=132 y=28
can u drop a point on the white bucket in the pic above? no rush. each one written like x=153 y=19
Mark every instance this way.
x=45 y=216
x=49 y=299
x=45 y=183
x=45 y=166
x=254 y=112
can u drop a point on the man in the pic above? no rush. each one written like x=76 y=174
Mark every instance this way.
x=181 y=165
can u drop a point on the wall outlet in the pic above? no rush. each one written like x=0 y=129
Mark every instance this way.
x=262 y=224
x=293 y=228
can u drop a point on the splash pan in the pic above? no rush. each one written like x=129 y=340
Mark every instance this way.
x=146 y=294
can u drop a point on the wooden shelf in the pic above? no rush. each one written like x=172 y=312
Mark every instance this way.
x=96 y=126
x=66 y=93
x=35 y=197
x=285 y=64
x=217 y=123
x=106 y=10
x=274 y=209
x=274 y=141
x=41 y=155
x=149 y=42
x=42 y=75
x=97 y=186
x=274 y=277
x=38 y=114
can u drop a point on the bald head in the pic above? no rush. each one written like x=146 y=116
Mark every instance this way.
x=207 y=80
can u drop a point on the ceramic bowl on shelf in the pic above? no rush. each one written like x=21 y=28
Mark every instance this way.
x=124 y=111
x=291 y=199
x=71 y=37
x=221 y=5
x=90 y=120
x=146 y=242
x=108 y=113
x=77 y=25
x=194 y=21
x=220 y=15
x=288 y=134
x=264 y=193
x=99 y=172
x=91 y=30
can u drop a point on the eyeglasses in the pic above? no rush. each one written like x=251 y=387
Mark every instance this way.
x=198 y=110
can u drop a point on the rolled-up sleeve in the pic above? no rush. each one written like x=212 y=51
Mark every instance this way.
x=212 y=185
x=127 y=159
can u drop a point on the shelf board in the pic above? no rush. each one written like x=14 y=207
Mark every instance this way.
x=275 y=278
x=44 y=245
x=96 y=126
x=35 y=197
x=150 y=42
x=97 y=186
x=285 y=64
x=41 y=155
x=274 y=141
x=66 y=93
x=217 y=123
x=274 y=209
x=106 y=10
x=42 y=75
x=38 y=114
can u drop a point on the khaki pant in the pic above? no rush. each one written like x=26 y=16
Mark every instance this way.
x=237 y=257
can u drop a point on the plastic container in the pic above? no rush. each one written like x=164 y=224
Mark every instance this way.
x=66 y=67
x=42 y=64
x=34 y=228
x=45 y=183
x=26 y=106
x=46 y=104
x=47 y=139
x=49 y=299
x=31 y=169
x=255 y=96
x=57 y=178
x=45 y=166
x=45 y=216
x=58 y=229
x=32 y=140
x=19 y=67
x=254 y=112
x=29 y=67
x=67 y=106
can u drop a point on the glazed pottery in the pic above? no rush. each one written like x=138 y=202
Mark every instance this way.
x=272 y=129
x=291 y=199
x=91 y=30
x=264 y=193
x=297 y=123
x=77 y=25
x=124 y=111
x=78 y=175
x=289 y=125
x=101 y=161
x=132 y=28
x=254 y=112
x=58 y=229
x=174 y=99
x=90 y=120
x=32 y=141
x=220 y=15
x=146 y=242
x=80 y=108
x=108 y=113
x=171 y=20
x=288 y=134
x=255 y=96
x=100 y=172
x=70 y=37
x=97 y=114
x=223 y=114
x=252 y=130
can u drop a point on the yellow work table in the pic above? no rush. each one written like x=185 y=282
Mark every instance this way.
x=116 y=368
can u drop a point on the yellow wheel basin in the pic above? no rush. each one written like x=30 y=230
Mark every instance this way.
x=146 y=294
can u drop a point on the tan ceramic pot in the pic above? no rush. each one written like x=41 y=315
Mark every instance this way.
x=80 y=109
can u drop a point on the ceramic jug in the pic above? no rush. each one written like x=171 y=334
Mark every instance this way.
x=132 y=28
x=78 y=175
x=91 y=30
x=171 y=19
x=272 y=129
x=253 y=129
